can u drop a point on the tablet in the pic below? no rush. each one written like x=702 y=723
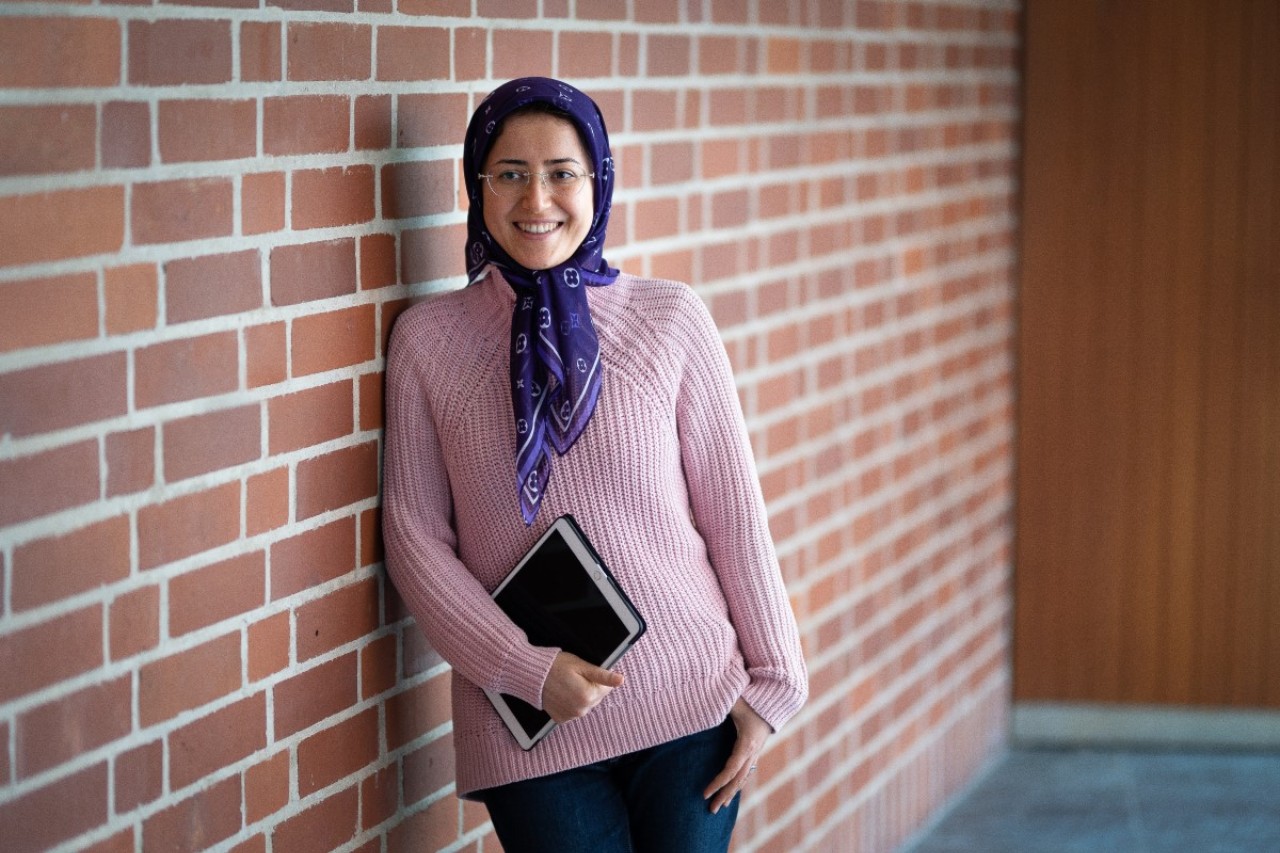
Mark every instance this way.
x=562 y=594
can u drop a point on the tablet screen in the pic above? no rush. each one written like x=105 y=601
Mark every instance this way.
x=552 y=597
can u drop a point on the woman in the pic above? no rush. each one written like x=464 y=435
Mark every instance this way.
x=554 y=384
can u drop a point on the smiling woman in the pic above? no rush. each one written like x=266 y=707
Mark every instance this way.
x=624 y=382
x=542 y=222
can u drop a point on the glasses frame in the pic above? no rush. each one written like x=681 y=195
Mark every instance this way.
x=542 y=177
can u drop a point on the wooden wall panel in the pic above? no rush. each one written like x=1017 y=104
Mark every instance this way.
x=1148 y=556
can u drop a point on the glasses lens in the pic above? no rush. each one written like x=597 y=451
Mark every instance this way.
x=561 y=182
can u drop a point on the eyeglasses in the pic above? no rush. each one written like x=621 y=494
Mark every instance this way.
x=559 y=182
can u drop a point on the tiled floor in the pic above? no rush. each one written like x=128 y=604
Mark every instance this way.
x=1046 y=801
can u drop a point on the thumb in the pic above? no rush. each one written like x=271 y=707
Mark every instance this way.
x=603 y=677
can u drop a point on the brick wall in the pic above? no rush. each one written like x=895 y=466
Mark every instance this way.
x=212 y=213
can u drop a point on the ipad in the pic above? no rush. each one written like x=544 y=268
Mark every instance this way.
x=562 y=594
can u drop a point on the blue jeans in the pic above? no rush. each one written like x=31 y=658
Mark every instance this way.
x=648 y=801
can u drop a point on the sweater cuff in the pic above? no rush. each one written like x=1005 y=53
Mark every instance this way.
x=525 y=671
x=775 y=701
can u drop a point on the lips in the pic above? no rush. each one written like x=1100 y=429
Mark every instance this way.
x=537 y=227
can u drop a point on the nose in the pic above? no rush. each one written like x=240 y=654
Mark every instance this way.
x=536 y=195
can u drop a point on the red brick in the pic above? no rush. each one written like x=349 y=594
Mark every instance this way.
x=310 y=417
x=211 y=442
x=379 y=798
x=413 y=53
x=131 y=298
x=585 y=55
x=418 y=654
x=326 y=826
x=130 y=461
x=217 y=740
x=377 y=261
x=134 y=622
x=373 y=122
x=186 y=369
x=428 y=769
x=333 y=340
x=517 y=53
x=176 y=52
x=341 y=617
x=670 y=162
x=57 y=732
x=337 y=479
x=43 y=139
x=268 y=646
x=26 y=664
x=266 y=787
x=306 y=124
x=173 y=211
x=266 y=501
x=430 y=119
x=471 y=52
x=313 y=271
x=47 y=52
x=378 y=667
x=139 y=776
x=126 y=134
x=212 y=286
x=25 y=318
x=313 y=695
x=329 y=51
x=371 y=403
x=314 y=5
x=337 y=752
x=207 y=130
x=47 y=570
x=53 y=480
x=720 y=55
x=428 y=254
x=210 y=815
x=433 y=828
x=267 y=359
x=418 y=189
x=121 y=842
x=324 y=198
x=169 y=686
x=416 y=711
x=43 y=818
x=262 y=202
x=311 y=558
x=216 y=592
x=52 y=226
x=260 y=51
x=188 y=525
x=668 y=55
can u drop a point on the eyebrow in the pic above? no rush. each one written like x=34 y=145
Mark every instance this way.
x=556 y=162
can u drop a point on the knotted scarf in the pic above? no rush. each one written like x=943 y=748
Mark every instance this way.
x=555 y=354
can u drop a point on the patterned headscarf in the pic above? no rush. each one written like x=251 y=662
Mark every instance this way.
x=555 y=354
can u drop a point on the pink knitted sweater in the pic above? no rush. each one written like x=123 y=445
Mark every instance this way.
x=663 y=482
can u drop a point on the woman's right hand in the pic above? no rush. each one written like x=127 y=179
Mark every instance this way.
x=573 y=687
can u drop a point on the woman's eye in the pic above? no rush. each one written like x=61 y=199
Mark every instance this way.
x=563 y=176
x=512 y=177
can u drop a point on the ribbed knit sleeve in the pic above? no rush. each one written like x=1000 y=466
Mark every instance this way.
x=453 y=609
x=729 y=512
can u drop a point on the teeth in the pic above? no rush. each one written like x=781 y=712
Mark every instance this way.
x=538 y=228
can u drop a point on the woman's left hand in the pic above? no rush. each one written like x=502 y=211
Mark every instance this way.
x=753 y=731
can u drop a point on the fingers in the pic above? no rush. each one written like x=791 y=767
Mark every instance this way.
x=573 y=687
x=603 y=677
x=753 y=731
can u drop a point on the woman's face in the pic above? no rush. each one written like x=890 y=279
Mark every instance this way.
x=539 y=230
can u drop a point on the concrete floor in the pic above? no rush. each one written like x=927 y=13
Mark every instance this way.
x=1082 y=801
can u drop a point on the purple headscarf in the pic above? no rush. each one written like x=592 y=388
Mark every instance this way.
x=555 y=355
